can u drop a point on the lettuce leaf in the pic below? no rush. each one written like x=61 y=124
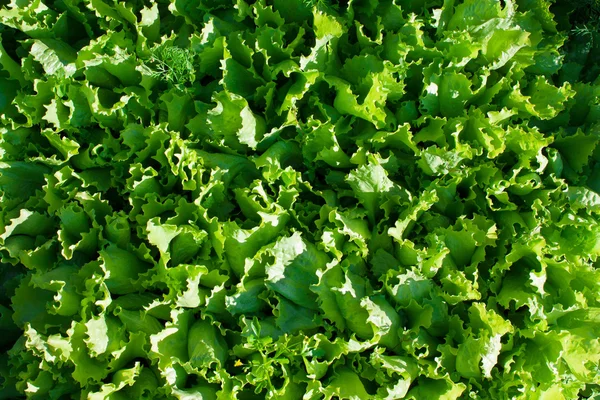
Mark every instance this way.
x=366 y=199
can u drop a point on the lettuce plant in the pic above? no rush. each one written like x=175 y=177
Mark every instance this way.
x=293 y=199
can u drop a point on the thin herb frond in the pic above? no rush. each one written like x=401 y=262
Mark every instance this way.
x=172 y=64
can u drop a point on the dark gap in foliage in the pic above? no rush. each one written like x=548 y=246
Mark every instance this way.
x=116 y=200
x=342 y=4
x=10 y=41
x=248 y=394
x=590 y=390
x=206 y=80
x=191 y=381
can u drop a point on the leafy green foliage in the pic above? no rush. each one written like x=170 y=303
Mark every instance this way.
x=299 y=199
x=172 y=64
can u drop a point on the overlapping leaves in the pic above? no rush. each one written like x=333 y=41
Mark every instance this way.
x=292 y=199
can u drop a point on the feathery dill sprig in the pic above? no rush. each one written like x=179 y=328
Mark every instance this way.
x=586 y=15
x=172 y=64
x=321 y=4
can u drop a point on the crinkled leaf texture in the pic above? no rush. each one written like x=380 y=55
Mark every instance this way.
x=298 y=199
